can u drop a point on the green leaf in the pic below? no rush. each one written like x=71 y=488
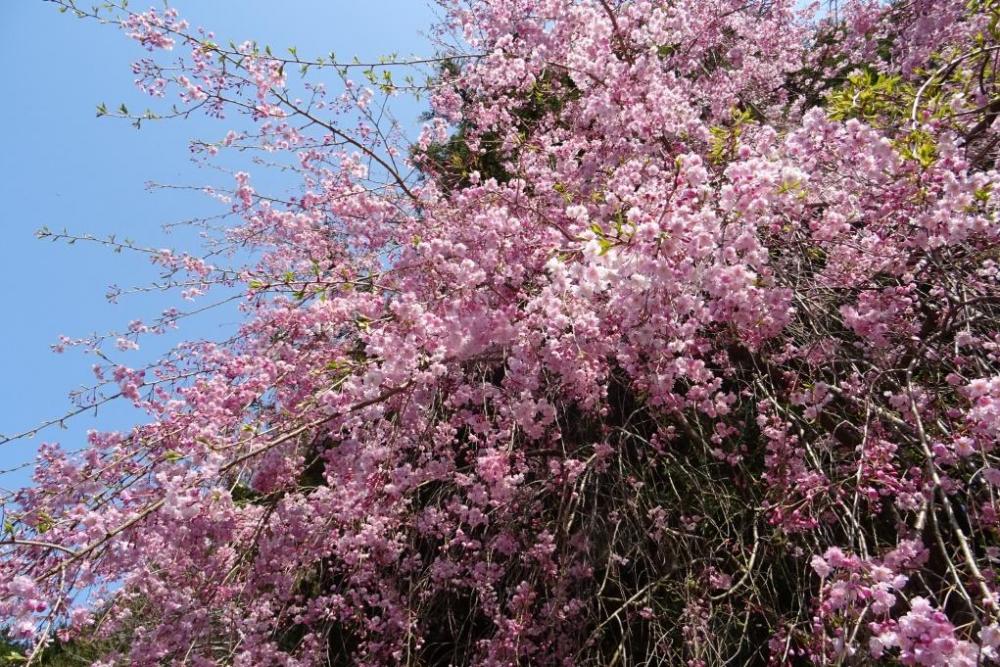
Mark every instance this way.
x=45 y=523
x=666 y=50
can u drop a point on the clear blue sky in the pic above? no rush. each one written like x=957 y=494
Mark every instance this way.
x=60 y=166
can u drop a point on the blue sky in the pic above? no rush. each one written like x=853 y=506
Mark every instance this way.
x=61 y=166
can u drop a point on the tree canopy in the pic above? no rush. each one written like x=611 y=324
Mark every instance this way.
x=671 y=339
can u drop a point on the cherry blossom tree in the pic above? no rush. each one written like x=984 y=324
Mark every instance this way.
x=671 y=339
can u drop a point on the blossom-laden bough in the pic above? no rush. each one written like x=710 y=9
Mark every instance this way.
x=673 y=339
